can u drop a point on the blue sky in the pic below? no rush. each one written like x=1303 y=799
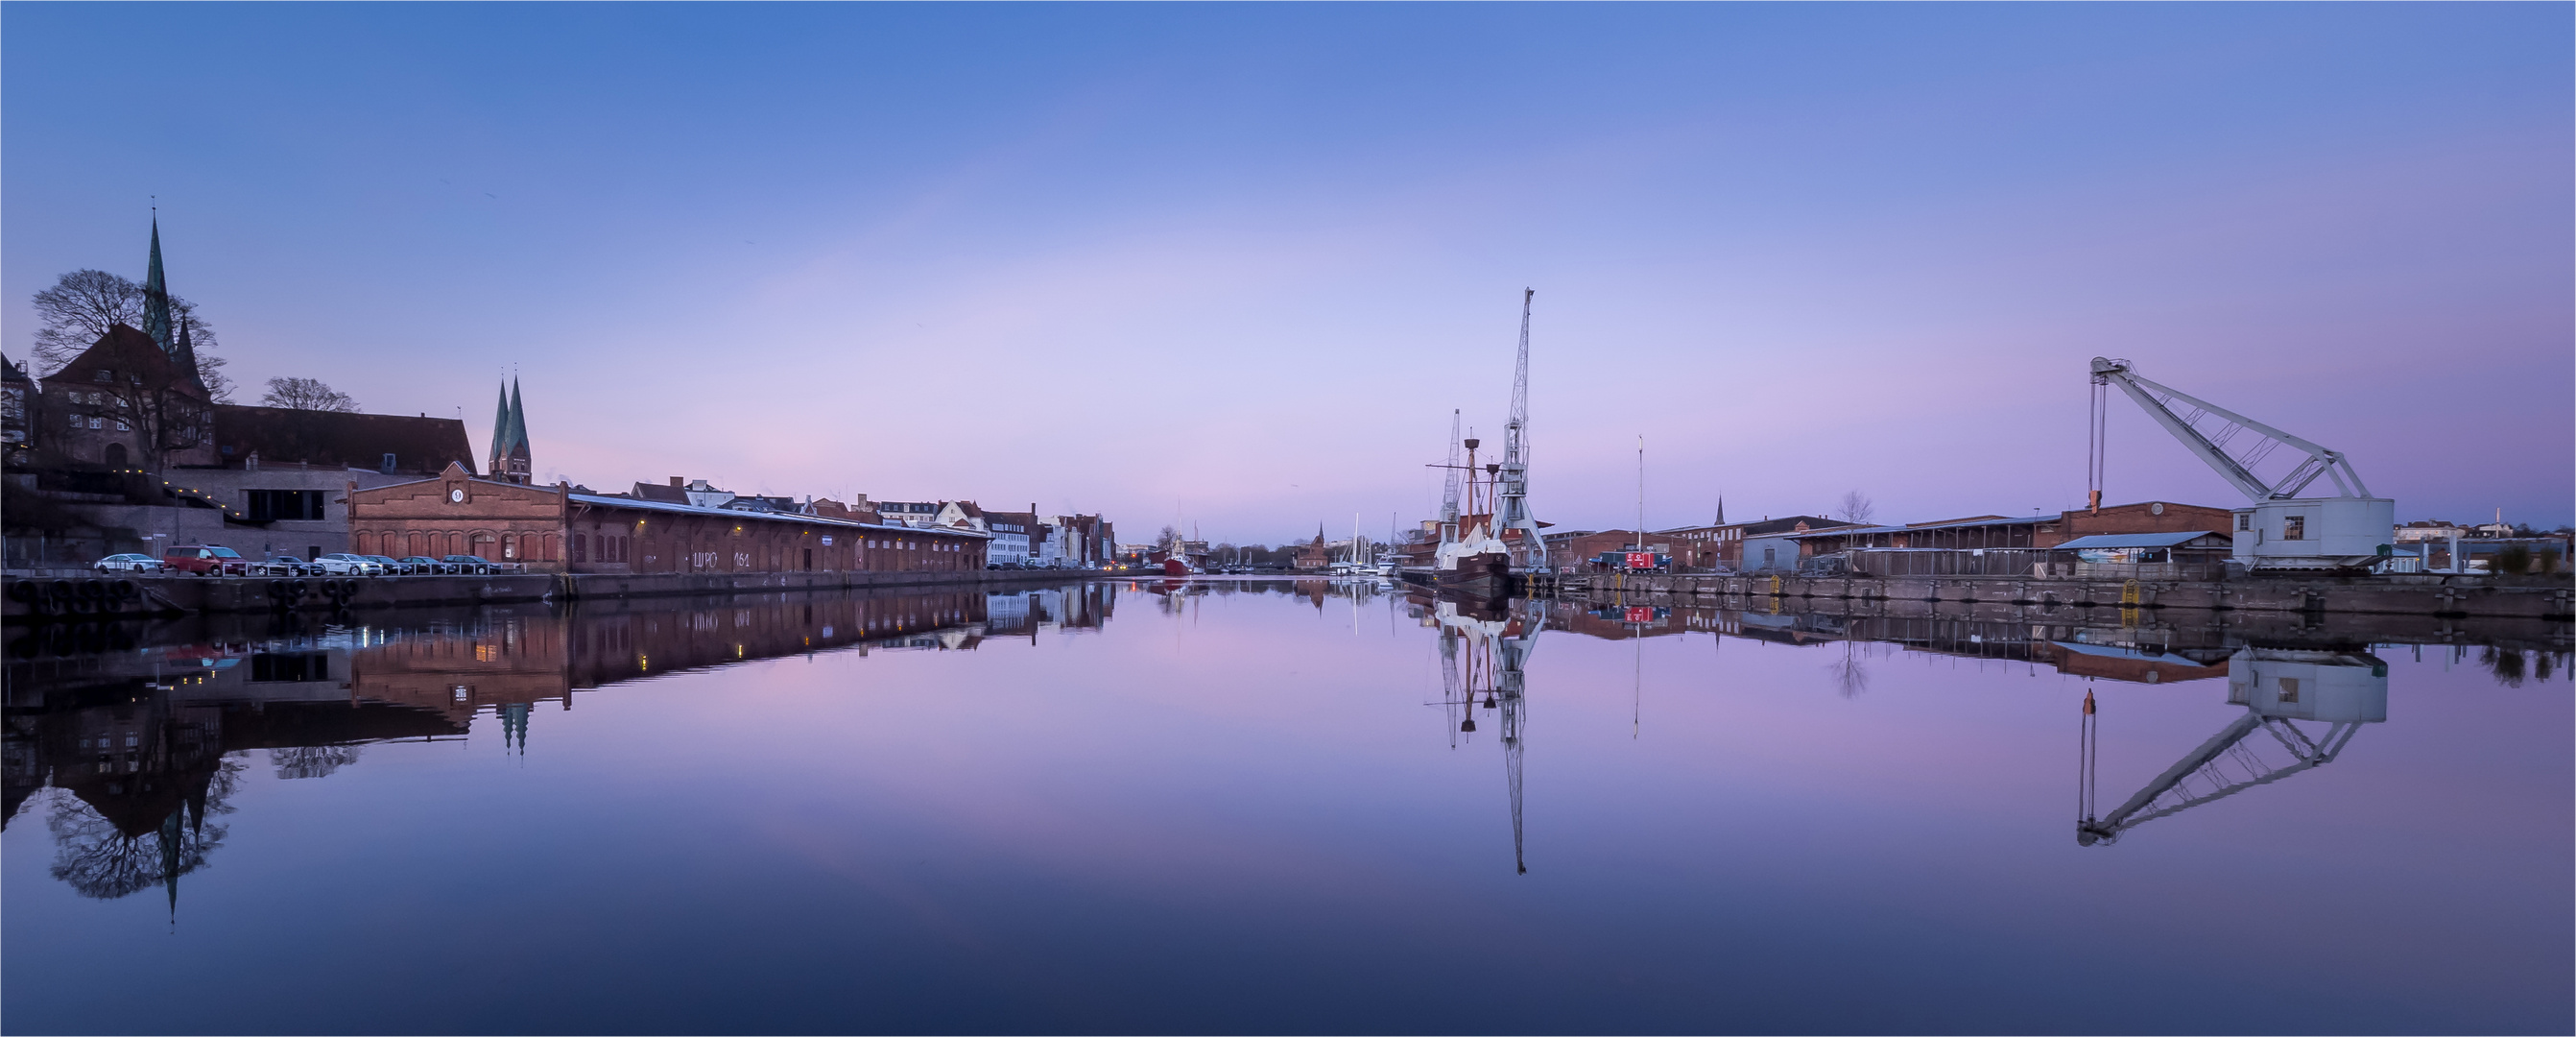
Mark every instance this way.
x=1236 y=264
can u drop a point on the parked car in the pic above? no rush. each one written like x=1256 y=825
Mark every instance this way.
x=205 y=560
x=392 y=567
x=284 y=565
x=342 y=563
x=128 y=563
x=424 y=565
x=468 y=565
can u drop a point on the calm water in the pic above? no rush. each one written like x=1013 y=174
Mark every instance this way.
x=1251 y=807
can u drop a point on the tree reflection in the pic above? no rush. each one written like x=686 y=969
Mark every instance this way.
x=311 y=761
x=104 y=861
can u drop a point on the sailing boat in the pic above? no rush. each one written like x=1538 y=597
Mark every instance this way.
x=1472 y=557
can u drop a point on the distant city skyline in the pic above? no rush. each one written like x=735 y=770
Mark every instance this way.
x=1234 y=266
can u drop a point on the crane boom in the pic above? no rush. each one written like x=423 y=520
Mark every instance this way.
x=2211 y=440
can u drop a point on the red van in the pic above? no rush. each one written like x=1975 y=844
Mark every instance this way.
x=205 y=560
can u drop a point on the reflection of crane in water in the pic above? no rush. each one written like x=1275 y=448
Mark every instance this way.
x=1484 y=649
x=2278 y=688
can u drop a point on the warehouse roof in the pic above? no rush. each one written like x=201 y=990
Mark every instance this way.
x=2115 y=541
x=607 y=501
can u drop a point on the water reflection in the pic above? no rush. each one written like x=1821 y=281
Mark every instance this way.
x=136 y=748
x=1858 y=821
x=1485 y=648
x=137 y=735
x=2337 y=691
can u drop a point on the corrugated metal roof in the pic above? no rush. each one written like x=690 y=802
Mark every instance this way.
x=766 y=516
x=2112 y=541
x=2107 y=651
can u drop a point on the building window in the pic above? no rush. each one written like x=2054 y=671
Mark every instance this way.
x=285 y=505
x=2244 y=521
x=105 y=376
x=2289 y=689
x=2294 y=527
x=96 y=423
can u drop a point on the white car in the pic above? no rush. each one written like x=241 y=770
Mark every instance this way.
x=128 y=563
x=345 y=564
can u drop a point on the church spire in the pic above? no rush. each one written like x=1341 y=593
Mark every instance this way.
x=500 y=434
x=186 y=354
x=156 y=296
x=509 y=436
x=518 y=417
x=1721 y=509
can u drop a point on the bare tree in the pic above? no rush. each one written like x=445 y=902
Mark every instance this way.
x=306 y=394
x=1168 y=540
x=83 y=304
x=1856 y=507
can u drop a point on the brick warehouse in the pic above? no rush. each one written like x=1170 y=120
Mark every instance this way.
x=555 y=529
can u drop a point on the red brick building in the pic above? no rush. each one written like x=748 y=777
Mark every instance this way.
x=556 y=529
x=2143 y=517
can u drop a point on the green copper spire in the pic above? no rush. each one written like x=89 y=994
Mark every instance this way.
x=500 y=434
x=156 y=296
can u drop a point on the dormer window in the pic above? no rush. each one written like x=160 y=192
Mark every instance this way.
x=106 y=375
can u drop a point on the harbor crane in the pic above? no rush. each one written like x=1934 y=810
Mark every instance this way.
x=1511 y=481
x=2278 y=689
x=2280 y=530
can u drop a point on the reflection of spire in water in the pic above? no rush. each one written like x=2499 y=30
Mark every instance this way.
x=2278 y=688
x=514 y=726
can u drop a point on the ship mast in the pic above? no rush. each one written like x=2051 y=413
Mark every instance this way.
x=1511 y=490
x=1449 y=485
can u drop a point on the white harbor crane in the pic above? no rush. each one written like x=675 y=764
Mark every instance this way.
x=2280 y=530
x=1511 y=481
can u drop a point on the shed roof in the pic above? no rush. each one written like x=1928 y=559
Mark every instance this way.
x=2111 y=541
x=605 y=501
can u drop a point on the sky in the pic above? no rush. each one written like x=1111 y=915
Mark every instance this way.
x=1233 y=267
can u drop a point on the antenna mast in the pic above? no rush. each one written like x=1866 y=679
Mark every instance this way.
x=1512 y=481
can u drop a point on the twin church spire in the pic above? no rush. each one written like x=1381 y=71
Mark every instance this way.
x=509 y=458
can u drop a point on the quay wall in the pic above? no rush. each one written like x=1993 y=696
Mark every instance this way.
x=202 y=594
x=2527 y=597
x=1995 y=623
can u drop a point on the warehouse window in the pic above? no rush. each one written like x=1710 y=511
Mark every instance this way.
x=287 y=505
x=2294 y=527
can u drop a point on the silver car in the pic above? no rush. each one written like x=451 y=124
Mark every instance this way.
x=341 y=563
x=128 y=563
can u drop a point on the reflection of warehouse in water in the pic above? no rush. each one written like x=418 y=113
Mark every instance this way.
x=144 y=745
